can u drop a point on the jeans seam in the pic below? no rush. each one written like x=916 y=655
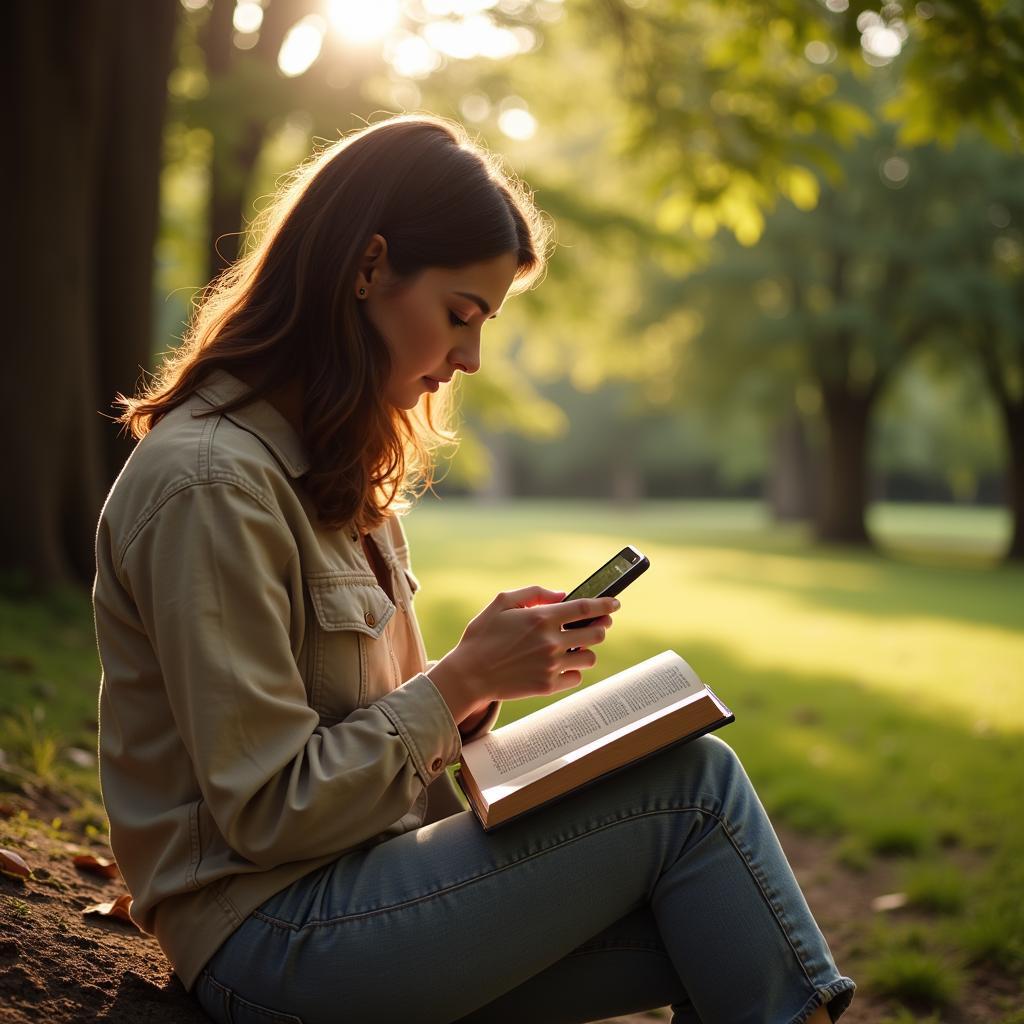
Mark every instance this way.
x=615 y=947
x=770 y=899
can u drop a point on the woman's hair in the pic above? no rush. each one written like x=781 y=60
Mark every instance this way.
x=287 y=309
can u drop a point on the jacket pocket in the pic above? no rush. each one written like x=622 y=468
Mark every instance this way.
x=352 y=663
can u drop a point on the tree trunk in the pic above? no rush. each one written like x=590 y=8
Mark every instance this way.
x=844 y=497
x=790 y=491
x=231 y=173
x=54 y=468
x=128 y=206
x=237 y=142
x=62 y=60
x=1013 y=414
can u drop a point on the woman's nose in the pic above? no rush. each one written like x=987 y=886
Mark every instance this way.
x=467 y=356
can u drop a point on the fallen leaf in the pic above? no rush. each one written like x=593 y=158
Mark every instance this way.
x=14 y=866
x=890 y=901
x=96 y=865
x=115 y=908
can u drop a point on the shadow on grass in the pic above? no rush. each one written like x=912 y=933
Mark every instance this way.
x=873 y=584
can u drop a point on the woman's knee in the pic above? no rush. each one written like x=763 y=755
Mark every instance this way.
x=712 y=765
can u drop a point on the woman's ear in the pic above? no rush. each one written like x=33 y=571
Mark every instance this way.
x=373 y=267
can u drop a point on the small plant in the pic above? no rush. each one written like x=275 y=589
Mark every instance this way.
x=19 y=907
x=90 y=817
x=913 y=976
x=936 y=887
x=897 y=839
x=32 y=745
x=996 y=936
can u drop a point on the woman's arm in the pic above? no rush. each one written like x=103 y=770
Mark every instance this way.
x=213 y=574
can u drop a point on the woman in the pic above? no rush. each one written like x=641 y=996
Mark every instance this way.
x=273 y=741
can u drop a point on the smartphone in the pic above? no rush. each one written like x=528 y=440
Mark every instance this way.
x=613 y=577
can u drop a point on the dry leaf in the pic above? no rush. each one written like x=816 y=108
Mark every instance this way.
x=96 y=865
x=14 y=866
x=115 y=908
x=890 y=901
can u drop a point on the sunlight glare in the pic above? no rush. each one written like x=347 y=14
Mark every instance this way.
x=476 y=36
x=517 y=123
x=248 y=16
x=364 y=21
x=301 y=45
x=881 y=41
x=411 y=56
x=475 y=107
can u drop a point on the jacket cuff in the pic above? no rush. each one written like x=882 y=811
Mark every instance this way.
x=485 y=724
x=420 y=715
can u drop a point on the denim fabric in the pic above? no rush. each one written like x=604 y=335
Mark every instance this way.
x=662 y=885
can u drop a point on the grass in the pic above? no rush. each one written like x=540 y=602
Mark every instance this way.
x=915 y=977
x=937 y=888
x=879 y=697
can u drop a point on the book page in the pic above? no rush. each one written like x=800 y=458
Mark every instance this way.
x=544 y=736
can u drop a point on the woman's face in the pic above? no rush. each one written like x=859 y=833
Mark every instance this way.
x=432 y=322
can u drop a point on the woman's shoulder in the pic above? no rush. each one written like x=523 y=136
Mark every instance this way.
x=194 y=445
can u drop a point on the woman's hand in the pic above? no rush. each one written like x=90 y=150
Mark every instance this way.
x=516 y=647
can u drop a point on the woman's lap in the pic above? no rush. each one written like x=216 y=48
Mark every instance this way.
x=662 y=882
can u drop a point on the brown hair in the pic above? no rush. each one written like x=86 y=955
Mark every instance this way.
x=286 y=309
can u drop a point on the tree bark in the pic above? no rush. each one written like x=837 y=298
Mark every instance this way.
x=61 y=52
x=128 y=206
x=790 y=483
x=1013 y=415
x=63 y=60
x=844 y=485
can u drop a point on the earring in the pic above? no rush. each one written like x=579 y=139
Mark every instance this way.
x=362 y=292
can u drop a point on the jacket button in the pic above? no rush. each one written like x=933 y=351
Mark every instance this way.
x=371 y=619
x=436 y=765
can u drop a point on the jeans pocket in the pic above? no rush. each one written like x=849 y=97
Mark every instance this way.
x=225 y=1006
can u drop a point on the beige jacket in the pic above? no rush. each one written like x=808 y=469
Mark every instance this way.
x=263 y=706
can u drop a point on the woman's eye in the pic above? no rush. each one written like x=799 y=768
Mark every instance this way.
x=455 y=321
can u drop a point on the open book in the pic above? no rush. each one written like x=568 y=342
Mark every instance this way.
x=587 y=735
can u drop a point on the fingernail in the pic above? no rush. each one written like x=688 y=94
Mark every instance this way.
x=615 y=605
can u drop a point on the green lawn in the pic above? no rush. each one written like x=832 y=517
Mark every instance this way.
x=879 y=697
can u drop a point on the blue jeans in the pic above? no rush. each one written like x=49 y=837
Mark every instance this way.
x=661 y=885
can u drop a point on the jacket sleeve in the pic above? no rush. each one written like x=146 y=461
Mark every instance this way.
x=210 y=576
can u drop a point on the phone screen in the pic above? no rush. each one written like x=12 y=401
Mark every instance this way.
x=602 y=579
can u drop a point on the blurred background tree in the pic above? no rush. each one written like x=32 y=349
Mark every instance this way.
x=89 y=83
x=647 y=127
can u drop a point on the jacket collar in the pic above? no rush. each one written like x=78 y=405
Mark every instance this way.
x=259 y=417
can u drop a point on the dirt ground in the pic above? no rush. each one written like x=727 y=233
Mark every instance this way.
x=60 y=966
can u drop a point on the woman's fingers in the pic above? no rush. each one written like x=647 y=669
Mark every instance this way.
x=579 y=660
x=528 y=597
x=564 y=612
x=587 y=636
